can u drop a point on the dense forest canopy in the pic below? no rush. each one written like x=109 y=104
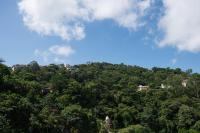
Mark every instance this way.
x=98 y=98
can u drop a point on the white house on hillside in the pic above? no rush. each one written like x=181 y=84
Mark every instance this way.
x=143 y=88
x=184 y=83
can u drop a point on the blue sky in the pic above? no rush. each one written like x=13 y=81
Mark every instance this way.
x=149 y=40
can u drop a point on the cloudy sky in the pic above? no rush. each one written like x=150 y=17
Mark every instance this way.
x=163 y=33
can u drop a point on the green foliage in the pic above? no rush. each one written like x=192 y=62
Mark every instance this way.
x=34 y=66
x=134 y=129
x=4 y=124
x=4 y=70
x=77 y=99
x=197 y=125
x=186 y=117
x=187 y=131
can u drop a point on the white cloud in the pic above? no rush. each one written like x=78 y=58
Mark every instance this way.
x=58 y=53
x=181 y=25
x=61 y=50
x=66 y=18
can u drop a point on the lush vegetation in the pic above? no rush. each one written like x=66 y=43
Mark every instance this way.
x=77 y=99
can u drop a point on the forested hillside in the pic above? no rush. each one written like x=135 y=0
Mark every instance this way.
x=98 y=98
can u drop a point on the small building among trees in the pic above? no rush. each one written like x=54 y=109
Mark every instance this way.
x=184 y=83
x=143 y=88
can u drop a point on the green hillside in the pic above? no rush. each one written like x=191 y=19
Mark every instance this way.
x=77 y=99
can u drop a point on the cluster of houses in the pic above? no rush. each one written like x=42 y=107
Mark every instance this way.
x=145 y=88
